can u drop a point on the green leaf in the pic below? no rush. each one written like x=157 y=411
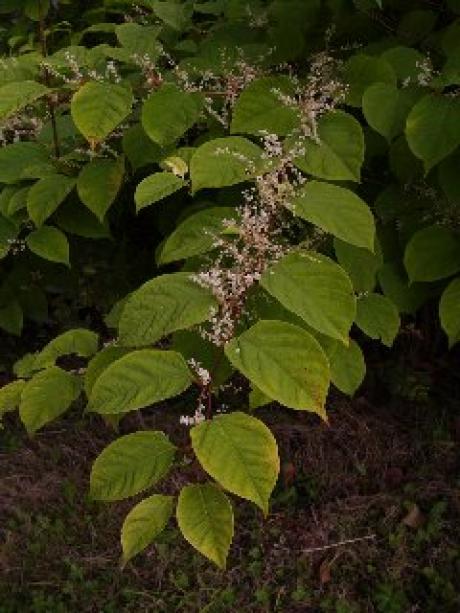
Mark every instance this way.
x=386 y=108
x=99 y=363
x=50 y=244
x=139 y=40
x=155 y=188
x=193 y=346
x=285 y=362
x=139 y=379
x=361 y=71
x=130 y=465
x=405 y=61
x=24 y=160
x=360 y=264
x=378 y=317
x=240 y=453
x=17 y=202
x=98 y=108
x=99 y=183
x=259 y=108
x=257 y=398
x=433 y=253
x=10 y=395
x=316 y=289
x=46 y=396
x=12 y=318
x=139 y=149
x=448 y=178
x=44 y=197
x=25 y=366
x=433 y=128
x=449 y=311
x=339 y=153
x=144 y=523
x=161 y=306
x=174 y=15
x=75 y=218
x=205 y=518
x=395 y=285
x=416 y=25
x=169 y=112
x=15 y=96
x=79 y=342
x=336 y=210
x=348 y=367
x=196 y=235
x=225 y=161
x=8 y=233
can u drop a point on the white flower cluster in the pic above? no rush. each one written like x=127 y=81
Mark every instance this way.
x=202 y=373
x=74 y=74
x=221 y=89
x=194 y=420
x=321 y=93
x=241 y=262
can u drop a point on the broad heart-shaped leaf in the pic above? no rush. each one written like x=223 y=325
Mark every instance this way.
x=285 y=362
x=316 y=289
x=24 y=160
x=16 y=96
x=205 y=518
x=79 y=342
x=361 y=264
x=378 y=317
x=161 y=306
x=361 y=71
x=196 y=235
x=176 y=16
x=98 y=108
x=240 y=453
x=99 y=363
x=99 y=183
x=225 y=161
x=169 y=112
x=433 y=128
x=131 y=464
x=155 y=188
x=348 y=367
x=10 y=395
x=46 y=396
x=405 y=61
x=339 y=154
x=449 y=311
x=139 y=40
x=260 y=108
x=336 y=210
x=433 y=253
x=144 y=523
x=139 y=379
x=44 y=197
x=50 y=244
x=386 y=107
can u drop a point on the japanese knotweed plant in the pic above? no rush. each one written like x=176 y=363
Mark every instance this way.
x=275 y=266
